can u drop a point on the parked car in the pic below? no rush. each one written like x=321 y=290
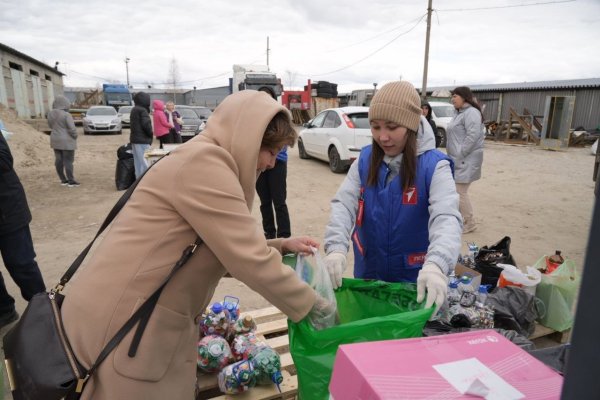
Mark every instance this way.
x=336 y=135
x=441 y=113
x=101 y=119
x=194 y=120
x=123 y=113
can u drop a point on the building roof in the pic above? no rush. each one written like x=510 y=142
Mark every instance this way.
x=541 y=85
x=24 y=56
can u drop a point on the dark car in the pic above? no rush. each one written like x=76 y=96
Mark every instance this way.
x=194 y=120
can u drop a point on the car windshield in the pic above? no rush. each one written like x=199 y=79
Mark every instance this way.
x=361 y=120
x=443 y=111
x=187 y=113
x=125 y=110
x=102 y=111
x=203 y=112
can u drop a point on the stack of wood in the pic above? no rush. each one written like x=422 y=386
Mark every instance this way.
x=300 y=117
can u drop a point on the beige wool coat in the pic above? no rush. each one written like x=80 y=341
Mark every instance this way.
x=204 y=187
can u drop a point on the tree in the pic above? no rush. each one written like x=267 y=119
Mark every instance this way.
x=174 y=76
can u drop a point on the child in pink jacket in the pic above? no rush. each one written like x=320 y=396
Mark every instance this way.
x=161 y=124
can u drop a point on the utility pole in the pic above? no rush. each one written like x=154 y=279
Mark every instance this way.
x=426 y=64
x=127 y=69
x=268 y=50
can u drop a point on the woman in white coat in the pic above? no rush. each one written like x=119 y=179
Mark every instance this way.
x=465 y=137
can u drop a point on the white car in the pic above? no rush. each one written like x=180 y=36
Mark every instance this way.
x=101 y=119
x=124 y=114
x=442 y=114
x=336 y=135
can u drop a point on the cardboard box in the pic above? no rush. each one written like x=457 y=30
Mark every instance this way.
x=462 y=270
x=442 y=367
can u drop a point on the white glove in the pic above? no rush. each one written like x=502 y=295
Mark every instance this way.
x=336 y=265
x=435 y=281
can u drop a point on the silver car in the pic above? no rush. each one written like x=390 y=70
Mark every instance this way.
x=336 y=135
x=123 y=113
x=101 y=119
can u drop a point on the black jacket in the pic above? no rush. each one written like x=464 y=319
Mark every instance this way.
x=139 y=120
x=14 y=211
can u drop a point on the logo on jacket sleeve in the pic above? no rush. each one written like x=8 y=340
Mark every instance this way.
x=410 y=196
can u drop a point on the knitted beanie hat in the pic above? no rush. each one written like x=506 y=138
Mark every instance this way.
x=398 y=102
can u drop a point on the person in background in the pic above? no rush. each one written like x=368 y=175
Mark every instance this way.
x=161 y=125
x=426 y=109
x=204 y=189
x=63 y=139
x=140 y=135
x=16 y=244
x=464 y=144
x=272 y=190
x=174 y=118
x=398 y=203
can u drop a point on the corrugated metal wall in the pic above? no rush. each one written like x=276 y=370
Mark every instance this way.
x=586 y=113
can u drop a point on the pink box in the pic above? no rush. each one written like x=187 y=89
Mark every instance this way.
x=402 y=369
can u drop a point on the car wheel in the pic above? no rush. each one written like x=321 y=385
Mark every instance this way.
x=335 y=163
x=302 y=151
x=442 y=134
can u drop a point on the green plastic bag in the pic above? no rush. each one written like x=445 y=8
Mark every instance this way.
x=558 y=292
x=369 y=311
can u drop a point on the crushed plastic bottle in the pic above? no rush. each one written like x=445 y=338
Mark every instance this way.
x=214 y=353
x=237 y=378
x=215 y=321
x=482 y=294
x=453 y=293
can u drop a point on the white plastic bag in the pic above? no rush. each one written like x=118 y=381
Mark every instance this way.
x=311 y=269
x=513 y=276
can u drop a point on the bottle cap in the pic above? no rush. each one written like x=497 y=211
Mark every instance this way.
x=248 y=321
x=454 y=284
x=276 y=377
x=217 y=308
x=483 y=289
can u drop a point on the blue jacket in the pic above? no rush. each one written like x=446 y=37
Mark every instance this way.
x=391 y=239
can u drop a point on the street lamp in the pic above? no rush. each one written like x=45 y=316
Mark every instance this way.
x=374 y=88
x=194 y=96
x=127 y=69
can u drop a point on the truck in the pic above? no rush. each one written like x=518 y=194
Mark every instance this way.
x=361 y=97
x=116 y=95
x=255 y=77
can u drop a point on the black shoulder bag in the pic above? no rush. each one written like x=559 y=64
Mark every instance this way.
x=40 y=363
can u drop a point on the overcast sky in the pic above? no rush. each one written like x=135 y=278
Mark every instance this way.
x=353 y=42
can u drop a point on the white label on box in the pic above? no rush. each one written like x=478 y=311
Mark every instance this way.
x=471 y=376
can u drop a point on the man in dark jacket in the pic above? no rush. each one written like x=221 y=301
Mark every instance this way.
x=141 y=131
x=16 y=244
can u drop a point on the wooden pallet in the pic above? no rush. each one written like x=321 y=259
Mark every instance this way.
x=544 y=331
x=272 y=328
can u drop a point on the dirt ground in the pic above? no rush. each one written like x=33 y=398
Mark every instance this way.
x=541 y=199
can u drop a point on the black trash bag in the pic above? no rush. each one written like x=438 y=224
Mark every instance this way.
x=514 y=309
x=124 y=152
x=436 y=328
x=125 y=173
x=555 y=357
x=488 y=258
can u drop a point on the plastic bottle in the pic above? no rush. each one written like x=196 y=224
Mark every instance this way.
x=215 y=321
x=232 y=304
x=244 y=325
x=267 y=365
x=237 y=378
x=214 y=353
x=243 y=344
x=453 y=293
x=482 y=295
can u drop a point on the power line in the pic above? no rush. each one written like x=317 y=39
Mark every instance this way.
x=508 y=6
x=374 y=52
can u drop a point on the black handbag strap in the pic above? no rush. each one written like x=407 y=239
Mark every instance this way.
x=143 y=313
x=109 y=218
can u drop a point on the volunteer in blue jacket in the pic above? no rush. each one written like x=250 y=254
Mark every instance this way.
x=398 y=203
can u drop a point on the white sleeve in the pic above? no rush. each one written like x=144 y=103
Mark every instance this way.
x=445 y=220
x=343 y=213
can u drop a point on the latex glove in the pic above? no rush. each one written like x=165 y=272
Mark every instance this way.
x=432 y=279
x=336 y=265
x=323 y=313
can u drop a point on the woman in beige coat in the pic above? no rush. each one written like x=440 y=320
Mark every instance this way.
x=204 y=187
